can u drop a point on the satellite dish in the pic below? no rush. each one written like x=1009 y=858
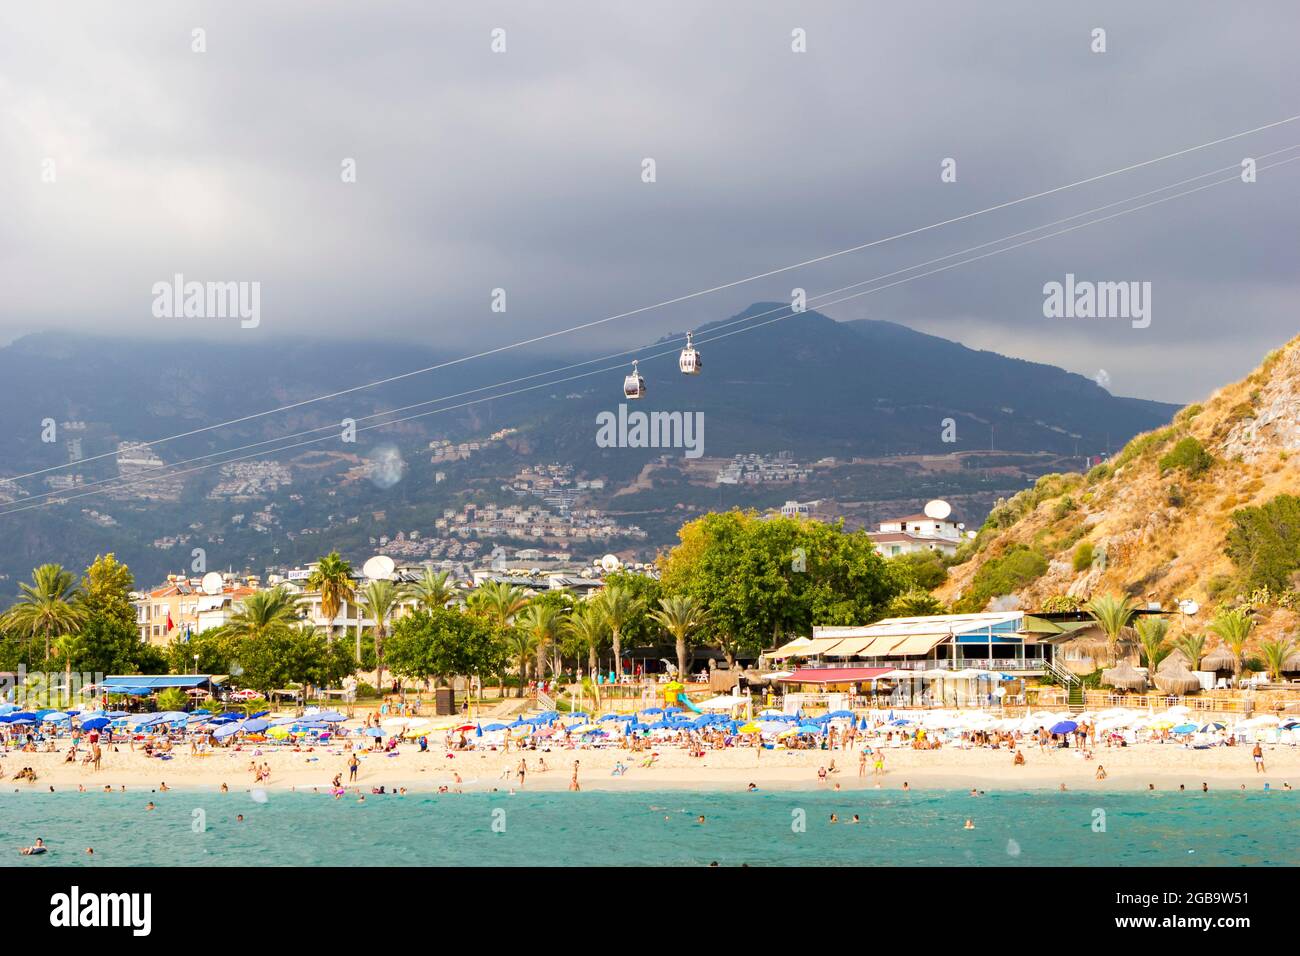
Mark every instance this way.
x=212 y=583
x=379 y=568
x=937 y=509
x=1188 y=606
x=610 y=563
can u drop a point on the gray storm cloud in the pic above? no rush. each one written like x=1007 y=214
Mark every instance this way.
x=521 y=170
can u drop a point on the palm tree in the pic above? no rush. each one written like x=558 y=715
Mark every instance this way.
x=1234 y=627
x=1151 y=635
x=545 y=622
x=522 y=644
x=1275 y=654
x=434 y=590
x=618 y=606
x=498 y=601
x=1192 y=645
x=588 y=625
x=1112 y=615
x=332 y=580
x=263 y=612
x=49 y=606
x=679 y=616
x=381 y=599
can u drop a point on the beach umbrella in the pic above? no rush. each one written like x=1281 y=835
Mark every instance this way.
x=837 y=714
x=375 y=732
x=1064 y=727
x=255 y=725
x=56 y=717
x=1184 y=729
x=1211 y=727
x=1124 y=676
x=94 y=723
x=1219 y=659
x=1174 y=660
x=1178 y=681
x=8 y=708
x=750 y=728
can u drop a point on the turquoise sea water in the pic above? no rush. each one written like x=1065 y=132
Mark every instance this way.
x=655 y=828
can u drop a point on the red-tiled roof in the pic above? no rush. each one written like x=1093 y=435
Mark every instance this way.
x=834 y=675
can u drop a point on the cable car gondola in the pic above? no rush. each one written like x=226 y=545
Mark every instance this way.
x=634 y=384
x=690 y=362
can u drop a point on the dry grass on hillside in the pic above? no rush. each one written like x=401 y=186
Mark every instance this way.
x=1160 y=536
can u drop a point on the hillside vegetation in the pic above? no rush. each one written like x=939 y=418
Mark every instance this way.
x=1207 y=508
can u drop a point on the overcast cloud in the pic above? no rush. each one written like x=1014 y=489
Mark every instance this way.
x=522 y=170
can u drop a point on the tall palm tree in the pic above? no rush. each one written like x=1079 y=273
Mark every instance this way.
x=381 y=599
x=589 y=626
x=1234 y=627
x=1151 y=635
x=262 y=613
x=434 y=590
x=48 y=607
x=679 y=616
x=522 y=644
x=545 y=622
x=1275 y=654
x=619 y=606
x=1112 y=615
x=1192 y=645
x=332 y=580
x=498 y=601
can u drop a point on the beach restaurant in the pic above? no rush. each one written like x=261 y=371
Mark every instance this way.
x=143 y=685
x=910 y=660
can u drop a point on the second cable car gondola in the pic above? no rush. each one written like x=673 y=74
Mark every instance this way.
x=689 y=361
x=634 y=384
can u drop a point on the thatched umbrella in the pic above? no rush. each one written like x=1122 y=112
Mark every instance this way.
x=1292 y=662
x=1174 y=660
x=1178 y=681
x=1124 y=676
x=1219 y=659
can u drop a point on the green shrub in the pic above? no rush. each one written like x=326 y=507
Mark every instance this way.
x=1063 y=508
x=1083 y=556
x=1189 y=455
x=1264 y=542
x=1012 y=571
x=1061 y=602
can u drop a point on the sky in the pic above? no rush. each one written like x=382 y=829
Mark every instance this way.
x=128 y=157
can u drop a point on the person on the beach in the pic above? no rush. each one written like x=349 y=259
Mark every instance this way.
x=522 y=772
x=573 y=782
x=1101 y=772
x=1258 y=755
x=1019 y=760
x=353 y=763
x=862 y=764
x=879 y=770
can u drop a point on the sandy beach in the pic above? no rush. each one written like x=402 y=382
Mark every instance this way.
x=1128 y=768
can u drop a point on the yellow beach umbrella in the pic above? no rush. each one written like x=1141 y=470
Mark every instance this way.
x=280 y=731
x=751 y=728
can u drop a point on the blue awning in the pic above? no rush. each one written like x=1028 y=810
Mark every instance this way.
x=138 y=683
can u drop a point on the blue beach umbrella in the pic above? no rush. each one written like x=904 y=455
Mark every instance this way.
x=94 y=723
x=1184 y=729
x=1064 y=727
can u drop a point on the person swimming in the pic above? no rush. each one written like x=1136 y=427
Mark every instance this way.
x=36 y=849
x=970 y=825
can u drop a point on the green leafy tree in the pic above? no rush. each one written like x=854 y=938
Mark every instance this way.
x=282 y=657
x=1264 y=543
x=49 y=607
x=922 y=570
x=441 y=643
x=106 y=587
x=915 y=603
